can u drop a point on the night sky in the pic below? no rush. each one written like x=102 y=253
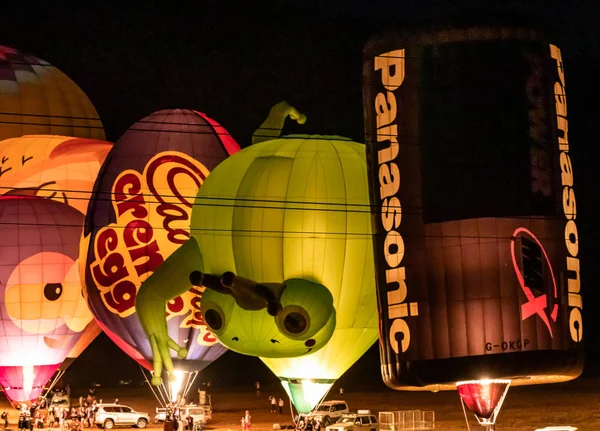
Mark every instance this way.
x=234 y=63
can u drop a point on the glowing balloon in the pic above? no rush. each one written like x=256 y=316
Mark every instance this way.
x=282 y=239
x=54 y=167
x=36 y=98
x=43 y=313
x=139 y=214
x=489 y=268
x=479 y=281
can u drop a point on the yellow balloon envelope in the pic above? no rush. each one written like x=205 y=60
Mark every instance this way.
x=282 y=241
x=37 y=98
x=60 y=168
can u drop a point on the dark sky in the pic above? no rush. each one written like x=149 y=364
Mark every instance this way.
x=234 y=62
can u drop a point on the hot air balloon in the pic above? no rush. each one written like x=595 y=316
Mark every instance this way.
x=56 y=167
x=281 y=239
x=138 y=215
x=37 y=98
x=45 y=318
x=478 y=273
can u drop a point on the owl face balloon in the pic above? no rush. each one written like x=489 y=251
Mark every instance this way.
x=42 y=310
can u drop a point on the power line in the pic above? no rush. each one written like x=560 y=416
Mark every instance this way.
x=68 y=117
x=278 y=204
x=279 y=234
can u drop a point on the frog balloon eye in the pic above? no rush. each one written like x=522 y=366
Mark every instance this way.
x=307 y=308
x=214 y=317
x=294 y=321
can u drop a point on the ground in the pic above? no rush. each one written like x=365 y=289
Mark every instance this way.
x=525 y=409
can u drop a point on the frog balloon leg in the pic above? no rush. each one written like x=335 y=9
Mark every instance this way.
x=171 y=279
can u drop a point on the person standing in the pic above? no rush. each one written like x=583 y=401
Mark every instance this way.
x=248 y=420
x=257 y=386
x=4 y=417
x=280 y=406
x=273 y=404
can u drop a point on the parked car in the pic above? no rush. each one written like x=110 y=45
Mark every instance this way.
x=161 y=415
x=328 y=412
x=109 y=416
x=198 y=413
x=60 y=401
x=363 y=421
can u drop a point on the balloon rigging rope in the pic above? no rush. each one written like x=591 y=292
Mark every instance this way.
x=189 y=382
x=465 y=413
x=161 y=402
x=54 y=381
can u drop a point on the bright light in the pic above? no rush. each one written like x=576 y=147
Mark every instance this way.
x=484 y=398
x=483 y=382
x=305 y=394
x=176 y=384
x=27 y=378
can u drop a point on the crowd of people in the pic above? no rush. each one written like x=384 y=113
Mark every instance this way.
x=175 y=416
x=308 y=424
x=39 y=415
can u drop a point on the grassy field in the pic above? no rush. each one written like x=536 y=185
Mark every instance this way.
x=526 y=408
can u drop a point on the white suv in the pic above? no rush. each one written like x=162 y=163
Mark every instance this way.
x=328 y=412
x=361 y=421
x=109 y=416
x=198 y=413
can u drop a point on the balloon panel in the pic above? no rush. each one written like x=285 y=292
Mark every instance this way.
x=42 y=310
x=54 y=167
x=25 y=383
x=471 y=259
x=139 y=214
x=483 y=397
x=307 y=393
x=36 y=99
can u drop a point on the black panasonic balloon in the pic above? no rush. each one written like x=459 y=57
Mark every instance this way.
x=476 y=241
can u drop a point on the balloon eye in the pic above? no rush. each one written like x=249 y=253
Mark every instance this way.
x=53 y=291
x=213 y=319
x=294 y=323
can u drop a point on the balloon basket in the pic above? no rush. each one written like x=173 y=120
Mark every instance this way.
x=484 y=398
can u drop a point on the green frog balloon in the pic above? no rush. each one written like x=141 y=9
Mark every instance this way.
x=281 y=242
